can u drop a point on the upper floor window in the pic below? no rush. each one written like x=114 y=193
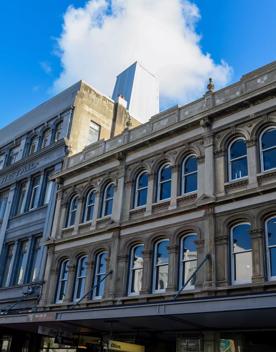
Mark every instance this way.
x=268 y=149
x=33 y=145
x=35 y=260
x=34 y=192
x=21 y=198
x=160 y=266
x=13 y=156
x=164 y=182
x=46 y=138
x=107 y=201
x=141 y=189
x=188 y=260
x=270 y=232
x=47 y=187
x=93 y=133
x=241 y=254
x=136 y=270
x=58 y=131
x=62 y=281
x=72 y=211
x=89 y=207
x=2 y=161
x=189 y=174
x=237 y=158
x=3 y=204
x=8 y=265
x=79 y=289
x=21 y=263
x=100 y=273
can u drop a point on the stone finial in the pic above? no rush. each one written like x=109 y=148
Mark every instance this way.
x=210 y=86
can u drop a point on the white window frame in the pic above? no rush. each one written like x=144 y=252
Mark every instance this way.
x=7 y=282
x=233 y=281
x=35 y=190
x=71 y=211
x=137 y=189
x=159 y=182
x=58 y=131
x=62 y=267
x=34 y=138
x=87 y=205
x=265 y=150
x=43 y=144
x=21 y=210
x=184 y=175
x=132 y=270
x=183 y=262
x=105 y=200
x=20 y=270
x=268 y=247
x=155 y=265
x=97 y=274
x=80 y=279
x=229 y=160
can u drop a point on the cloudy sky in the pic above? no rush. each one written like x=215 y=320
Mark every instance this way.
x=49 y=45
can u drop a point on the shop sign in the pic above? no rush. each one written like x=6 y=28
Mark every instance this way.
x=124 y=346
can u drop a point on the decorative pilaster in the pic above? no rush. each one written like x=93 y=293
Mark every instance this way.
x=150 y=194
x=173 y=265
x=252 y=163
x=146 y=281
x=222 y=250
x=70 y=283
x=258 y=255
x=174 y=184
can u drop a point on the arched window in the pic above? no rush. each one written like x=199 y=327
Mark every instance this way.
x=237 y=159
x=58 y=130
x=164 y=182
x=136 y=270
x=189 y=174
x=62 y=281
x=33 y=145
x=188 y=260
x=268 y=149
x=270 y=234
x=100 y=272
x=141 y=189
x=89 y=207
x=72 y=211
x=241 y=254
x=80 y=278
x=46 y=138
x=160 y=266
x=107 y=201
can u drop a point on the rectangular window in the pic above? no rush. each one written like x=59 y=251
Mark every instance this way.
x=2 y=161
x=35 y=260
x=13 y=156
x=8 y=266
x=34 y=192
x=48 y=186
x=21 y=264
x=21 y=199
x=3 y=204
x=93 y=133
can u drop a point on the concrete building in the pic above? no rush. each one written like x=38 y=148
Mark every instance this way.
x=164 y=236
x=140 y=88
x=32 y=150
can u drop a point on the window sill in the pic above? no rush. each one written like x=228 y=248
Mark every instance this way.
x=29 y=211
x=241 y=182
x=266 y=174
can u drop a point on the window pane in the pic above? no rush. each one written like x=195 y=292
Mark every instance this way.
x=108 y=207
x=239 y=168
x=3 y=204
x=7 y=271
x=161 y=277
x=136 y=284
x=166 y=173
x=33 y=145
x=142 y=197
x=162 y=252
x=35 y=261
x=46 y=138
x=269 y=159
x=102 y=263
x=189 y=248
x=100 y=286
x=241 y=238
x=143 y=180
x=271 y=232
x=93 y=133
x=165 y=190
x=58 y=131
x=189 y=269
x=238 y=148
x=269 y=139
x=272 y=254
x=138 y=257
x=243 y=266
x=21 y=263
x=190 y=164
x=22 y=198
x=110 y=191
x=48 y=188
x=190 y=183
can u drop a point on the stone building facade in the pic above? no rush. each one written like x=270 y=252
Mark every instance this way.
x=164 y=236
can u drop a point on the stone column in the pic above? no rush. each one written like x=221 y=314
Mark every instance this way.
x=200 y=176
x=118 y=199
x=96 y=210
x=122 y=289
x=78 y=216
x=258 y=255
x=50 y=274
x=127 y=206
x=173 y=268
x=59 y=217
x=174 y=185
x=202 y=273
x=70 y=283
x=209 y=170
x=220 y=171
x=252 y=155
x=113 y=264
x=150 y=196
x=89 y=279
x=221 y=263
x=147 y=271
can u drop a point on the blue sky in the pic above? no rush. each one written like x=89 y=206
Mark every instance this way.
x=241 y=32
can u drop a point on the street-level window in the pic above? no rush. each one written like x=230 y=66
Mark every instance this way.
x=100 y=273
x=164 y=182
x=188 y=260
x=189 y=174
x=237 y=159
x=21 y=198
x=48 y=186
x=107 y=202
x=46 y=138
x=33 y=145
x=89 y=207
x=161 y=266
x=34 y=192
x=35 y=260
x=268 y=149
x=21 y=263
x=79 y=289
x=141 y=189
x=241 y=254
x=136 y=270
x=72 y=211
x=93 y=132
x=62 y=281
x=8 y=265
x=2 y=160
x=270 y=231
x=13 y=156
x=3 y=203
x=58 y=131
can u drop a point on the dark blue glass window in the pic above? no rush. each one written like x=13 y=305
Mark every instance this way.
x=141 y=191
x=164 y=182
x=238 y=160
x=161 y=265
x=108 y=200
x=100 y=273
x=271 y=245
x=89 y=206
x=136 y=269
x=188 y=260
x=72 y=211
x=268 y=149
x=189 y=174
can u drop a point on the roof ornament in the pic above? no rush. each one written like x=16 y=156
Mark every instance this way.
x=210 y=86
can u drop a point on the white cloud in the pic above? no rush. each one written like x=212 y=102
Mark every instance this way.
x=46 y=67
x=104 y=37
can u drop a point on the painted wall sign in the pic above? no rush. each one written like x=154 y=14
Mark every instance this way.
x=12 y=176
